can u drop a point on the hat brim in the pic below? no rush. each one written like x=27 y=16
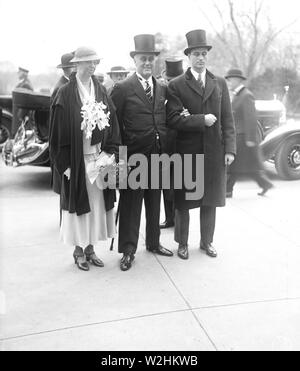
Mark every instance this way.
x=133 y=54
x=86 y=59
x=236 y=76
x=65 y=65
x=119 y=71
x=188 y=50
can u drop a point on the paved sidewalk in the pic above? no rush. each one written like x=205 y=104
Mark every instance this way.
x=247 y=299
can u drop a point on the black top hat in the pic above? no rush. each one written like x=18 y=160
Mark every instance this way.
x=174 y=68
x=196 y=39
x=66 y=61
x=118 y=69
x=144 y=44
x=235 y=73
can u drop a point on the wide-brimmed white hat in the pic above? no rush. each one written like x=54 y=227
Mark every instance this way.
x=85 y=54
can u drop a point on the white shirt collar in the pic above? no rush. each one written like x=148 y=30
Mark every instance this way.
x=143 y=80
x=66 y=77
x=196 y=75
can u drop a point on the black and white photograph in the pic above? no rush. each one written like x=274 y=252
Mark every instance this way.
x=149 y=178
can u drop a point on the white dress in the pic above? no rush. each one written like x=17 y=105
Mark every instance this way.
x=97 y=225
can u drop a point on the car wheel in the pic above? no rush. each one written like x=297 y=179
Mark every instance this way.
x=5 y=128
x=287 y=159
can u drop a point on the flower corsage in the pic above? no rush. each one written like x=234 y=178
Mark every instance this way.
x=94 y=114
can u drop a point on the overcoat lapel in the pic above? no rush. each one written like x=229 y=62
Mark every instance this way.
x=211 y=84
x=193 y=84
x=139 y=91
x=157 y=93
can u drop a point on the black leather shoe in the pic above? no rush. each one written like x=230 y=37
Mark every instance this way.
x=209 y=249
x=81 y=262
x=93 y=258
x=167 y=224
x=266 y=190
x=183 y=252
x=126 y=262
x=160 y=250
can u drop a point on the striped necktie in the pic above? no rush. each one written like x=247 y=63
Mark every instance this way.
x=148 y=91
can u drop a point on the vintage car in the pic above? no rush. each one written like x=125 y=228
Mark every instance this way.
x=282 y=146
x=30 y=144
x=271 y=114
x=280 y=140
x=6 y=117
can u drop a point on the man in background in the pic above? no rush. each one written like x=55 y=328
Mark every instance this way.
x=24 y=82
x=248 y=160
x=67 y=68
x=19 y=114
x=174 y=68
x=117 y=74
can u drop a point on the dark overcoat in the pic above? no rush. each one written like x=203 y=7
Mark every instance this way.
x=139 y=119
x=61 y=82
x=193 y=137
x=66 y=145
x=248 y=159
x=56 y=177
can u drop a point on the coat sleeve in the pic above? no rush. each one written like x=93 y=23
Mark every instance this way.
x=114 y=139
x=174 y=109
x=250 y=118
x=119 y=99
x=60 y=141
x=227 y=121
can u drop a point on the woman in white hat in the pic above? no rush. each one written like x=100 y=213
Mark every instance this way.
x=78 y=140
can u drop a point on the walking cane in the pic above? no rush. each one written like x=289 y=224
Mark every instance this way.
x=117 y=220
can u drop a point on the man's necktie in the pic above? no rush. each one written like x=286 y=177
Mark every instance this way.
x=200 y=82
x=148 y=91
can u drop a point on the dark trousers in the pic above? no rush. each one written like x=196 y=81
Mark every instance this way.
x=258 y=176
x=131 y=203
x=207 y=225
x=169 y=205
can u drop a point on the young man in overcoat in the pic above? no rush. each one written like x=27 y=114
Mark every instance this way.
x=199 y=109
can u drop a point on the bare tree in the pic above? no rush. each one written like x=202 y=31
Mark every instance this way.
x=245 y=35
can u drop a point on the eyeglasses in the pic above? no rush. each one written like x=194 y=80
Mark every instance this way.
x=199 y=54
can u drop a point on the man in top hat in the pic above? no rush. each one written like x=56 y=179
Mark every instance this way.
x=140 y=102
x=248 y=159
x=24 y=82
x=117 y=74
x=199 y=109
x=67 y=68
x=174 y=68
